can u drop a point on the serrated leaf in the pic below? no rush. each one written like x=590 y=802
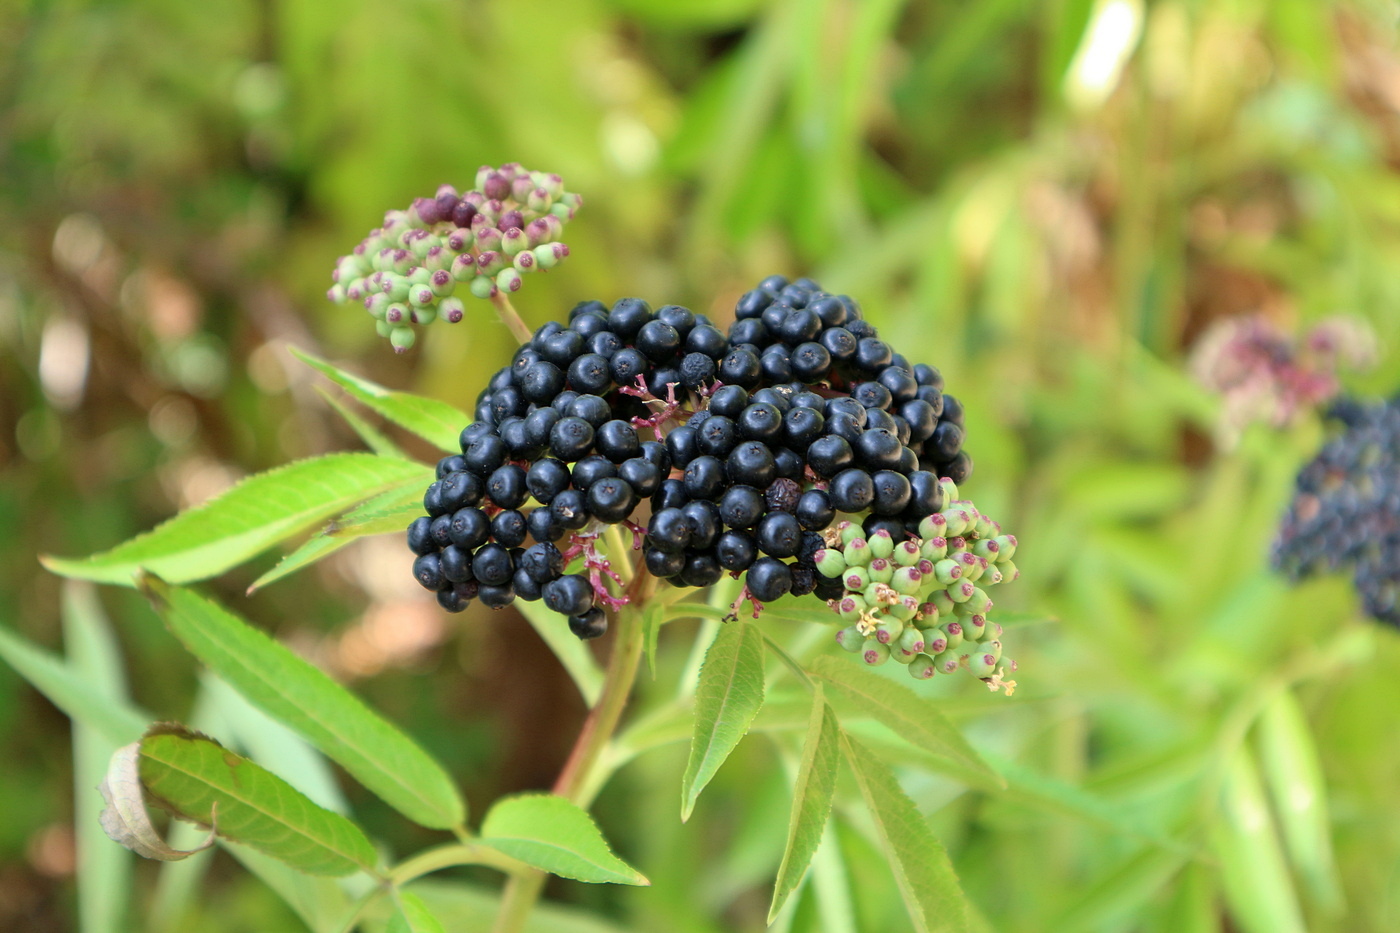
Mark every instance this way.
x=811 y=799
x=728 y=696
x=387 y=513
x=411 y=915
x=437 y=422
x=920 y=865
x=249 y=518
x=125 y=819
x=331 y=718
x=572 y=653
x=193 y=777
x=913 y=717
x=117 y=722
x=374 y=438
x=557 y=836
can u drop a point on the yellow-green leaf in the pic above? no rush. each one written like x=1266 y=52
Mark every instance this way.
x=557 y=836
x=811 y=799
x=728 y=696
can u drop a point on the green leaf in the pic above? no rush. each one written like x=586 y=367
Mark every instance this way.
x=389 y=512
x=318 y=900
x=104 y=870
x=911 y=716
x=327 y=715
x=411 y=915
x=571 y=652
x=197 y=779
x=811 y=800
x=1294 y=776
x=72 y=692
x=255 y=514
x=437 y=422
x=920 y=865
x=374 y=438
x=728 y=696
x=554 y=835
x=653 y=617
x=1258 y=889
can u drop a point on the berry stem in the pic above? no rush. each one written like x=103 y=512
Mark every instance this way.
x=510 y=317
x=574 y=782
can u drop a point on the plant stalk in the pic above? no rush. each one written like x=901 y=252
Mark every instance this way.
x=574 y=782
x=510 y=317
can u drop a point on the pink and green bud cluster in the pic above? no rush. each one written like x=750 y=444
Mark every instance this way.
x=490 y=239
x=923 y=602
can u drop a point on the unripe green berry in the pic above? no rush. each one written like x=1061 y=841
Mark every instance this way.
x=960 y=591
x=421 y=296
x=991 y=576
x=946 y=662
x=483 y=286
x=491 y=262
x=922 y=667
x=464 y=267
x=395 y=286
x=909 y=644
x=933 y=526
x=857 y=553
x=524 y=261
x=383 y=328
x=950 y=489
x=830 y=563
x=934 y=640
x=396 y=313
x=952 y=634
x=958 y=522
x=850 y=639
x=992 y=646
x=1009 y=571
x=906 y=580
x=1006 y=548
x=986 y=547
x=460 y=240
x=981 y=664
x=906 y=553
x=881 y=544
x=941 y=601
x=402 y=338
x=513 y=241
x=376 y=303
x=947 y=571
x=887 y=630
x=974 y=627
x=851 y=608
x=423 y=316
x=982 y=527
x=451 y=310
x=509 y=280
x=905 y=608
x=546 y=257
x=978 y=601
x=850 y=531
x=881 y=570
x=336 y=293
x=856 y=579
x=873 y=653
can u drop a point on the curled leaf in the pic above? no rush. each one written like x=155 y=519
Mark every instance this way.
x=126 y=820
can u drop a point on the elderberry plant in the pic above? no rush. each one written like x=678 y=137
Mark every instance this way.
x=794 y=467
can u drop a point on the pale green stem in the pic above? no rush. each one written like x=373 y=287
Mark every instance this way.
x=510 y=317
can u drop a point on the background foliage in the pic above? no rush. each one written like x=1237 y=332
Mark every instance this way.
x=1048 y=200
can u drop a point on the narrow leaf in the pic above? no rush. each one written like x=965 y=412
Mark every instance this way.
x=436 y=422
x=555 y=835
x=411 y=915
x=811 y=800
x=255 y=514
x=921 y=868
x=387 y=513
x=653 y=617
x=327 y=715
x=571 y=652
x=1258 y=889
x=196 y=779
x=126 y=820
x=104 y=870
x=1294 y=776
x=727 y=697
x=374 y=439
x=117 y=722
x=911 y=716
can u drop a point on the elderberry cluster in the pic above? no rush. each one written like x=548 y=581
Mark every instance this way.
x=406 y=271
x=744 y=448
x=1346 y=508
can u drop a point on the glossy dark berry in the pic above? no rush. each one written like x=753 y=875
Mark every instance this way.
x=671 y=495
x=892 y=493
x=769 y=579
x=495 y=597
x=682 y=446
x=626 y=365
x=611 y=500
x=570 y=509
x=814 y=510
x=542 y=382
x=946 y=441
x=547 y=478
x=571 y=439
x=829 y=455
x=752 y=464
x=664 y=564
x=525 y=586
x=506 y=487
x=427 y=570
x=716 y=436
x=469 y=528
x=543 y=526
x=741 y=506
x=925 y=494
x=418 y=540
x=590 y=469
x=779 y=534
x=851 y=491
x=736 y=551
x=588 y=625
x=508 y=528
x=878 y=449
x=704 y=522
x=543 y=562
x=740 y=367
x=628 y=316
x=641 y=474
x=570 y=595
x=590 y=374
x=440 y=530
x=704 y=478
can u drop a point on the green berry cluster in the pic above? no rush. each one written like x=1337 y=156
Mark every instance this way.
x=923 y=602
x=406 y=272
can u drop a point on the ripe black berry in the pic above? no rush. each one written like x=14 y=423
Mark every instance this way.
x=492 y=565
x=851 y=490
x=570 y=595
x=769 y=579
x=591 y=624
x=570 y=439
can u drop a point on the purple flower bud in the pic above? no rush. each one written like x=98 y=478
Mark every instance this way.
x=441 y=283
x=446 y=203
x=490 y=262
x=537 y=231
x=508 y=280
x=463 y=213
x=511 y=169
x=427 y=210
x=460 y=239
x=538 y=200
x=521 y=187
x=336 y=294
x=475 y=199
x=481 y=222
x=555 y=225
x=524 y=261
x=394 y=313
x=464 y=267
x=360 y=248
x=513 y=241
x=354 y=291
x=496 y=187
x=482 y=174
x=488 y=238
x=510 y=219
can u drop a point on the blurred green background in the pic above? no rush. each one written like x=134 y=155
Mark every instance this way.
x=1049 y=200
